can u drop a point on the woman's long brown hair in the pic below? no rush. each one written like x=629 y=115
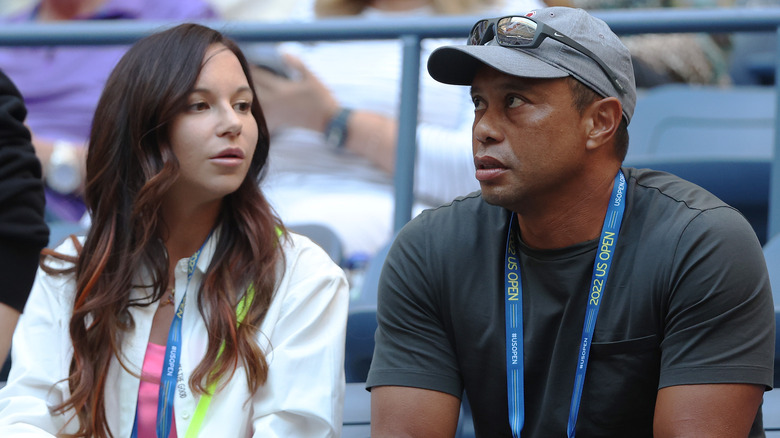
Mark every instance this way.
x=130 y=165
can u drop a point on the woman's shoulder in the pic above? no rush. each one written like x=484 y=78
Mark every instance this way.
x=308 y=273
x=64 y=255
x=301 y=251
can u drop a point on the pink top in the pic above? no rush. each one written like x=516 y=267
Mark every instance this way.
x=149 y=391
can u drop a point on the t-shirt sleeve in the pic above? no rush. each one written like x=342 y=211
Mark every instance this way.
x=719 y=327
x=412 y=346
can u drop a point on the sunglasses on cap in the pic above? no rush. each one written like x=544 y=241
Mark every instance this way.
x=516 y=31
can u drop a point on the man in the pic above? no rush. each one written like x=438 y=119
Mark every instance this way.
x=571 y=295
x=23 y=233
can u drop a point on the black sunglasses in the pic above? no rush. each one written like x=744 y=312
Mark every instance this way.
x=524 y=32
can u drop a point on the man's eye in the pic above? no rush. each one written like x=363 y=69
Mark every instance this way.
x=513 y=101
x=479 y=104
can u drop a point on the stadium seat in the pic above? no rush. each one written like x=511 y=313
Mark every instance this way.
x=719 y=138
x=323 y=236
x=361 y=325
x=771 y=406
x=772 y=257
x=361 y=322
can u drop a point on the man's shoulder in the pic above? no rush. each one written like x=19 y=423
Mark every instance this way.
x=463 y=221
x=673 y=188
x=463 y=206
x=463 y=211
x=676 y=207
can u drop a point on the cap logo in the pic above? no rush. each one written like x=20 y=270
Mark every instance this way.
x=530 y=14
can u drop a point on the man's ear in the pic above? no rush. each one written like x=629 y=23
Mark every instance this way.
x=604 y=116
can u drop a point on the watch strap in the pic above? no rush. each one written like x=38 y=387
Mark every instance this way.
x=336 y=131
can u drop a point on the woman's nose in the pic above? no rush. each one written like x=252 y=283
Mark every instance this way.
x=230 y=123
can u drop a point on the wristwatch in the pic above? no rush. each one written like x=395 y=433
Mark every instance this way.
x=336 y=131
x=63 y=173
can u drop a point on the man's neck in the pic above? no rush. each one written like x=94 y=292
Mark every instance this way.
x=569 y=220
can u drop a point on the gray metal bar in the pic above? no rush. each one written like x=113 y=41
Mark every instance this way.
x=97 y=32
x=719 y=20
x=774 y=180
x=407 y=132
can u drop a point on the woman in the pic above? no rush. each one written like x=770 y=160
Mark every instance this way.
x=186 y=277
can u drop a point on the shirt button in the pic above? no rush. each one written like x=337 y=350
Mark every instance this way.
x=185 y=415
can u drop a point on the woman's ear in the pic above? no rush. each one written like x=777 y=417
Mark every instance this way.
x=604 y=116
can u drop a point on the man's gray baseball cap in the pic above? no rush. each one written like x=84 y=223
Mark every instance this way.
x=457 y=65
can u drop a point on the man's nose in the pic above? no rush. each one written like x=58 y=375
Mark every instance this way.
x=486 y=128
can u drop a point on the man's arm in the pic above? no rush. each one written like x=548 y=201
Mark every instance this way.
x=400 y=412
x=714 y=410
x=718 y=345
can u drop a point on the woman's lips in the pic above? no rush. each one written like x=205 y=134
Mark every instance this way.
x=229 y=157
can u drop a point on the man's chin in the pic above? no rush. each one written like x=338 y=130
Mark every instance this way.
x=500 y=197
x=490 y=196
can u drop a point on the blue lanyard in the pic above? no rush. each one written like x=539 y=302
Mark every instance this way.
x=514 y=333
x=514 y=311
x=170 y=369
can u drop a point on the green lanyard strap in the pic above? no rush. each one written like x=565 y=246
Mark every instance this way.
x=205 y=400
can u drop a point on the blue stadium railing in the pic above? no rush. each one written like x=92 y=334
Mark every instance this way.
x=410 y=32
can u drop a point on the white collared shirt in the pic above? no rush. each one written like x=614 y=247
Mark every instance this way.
x=302 y=336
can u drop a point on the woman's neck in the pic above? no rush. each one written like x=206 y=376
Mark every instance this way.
x=187 y=229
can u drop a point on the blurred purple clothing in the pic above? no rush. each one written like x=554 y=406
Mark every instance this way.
x=61 y=85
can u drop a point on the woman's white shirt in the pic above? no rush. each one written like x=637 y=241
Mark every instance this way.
x=302 y=336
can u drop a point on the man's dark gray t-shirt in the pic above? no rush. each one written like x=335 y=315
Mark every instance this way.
x=687 y=301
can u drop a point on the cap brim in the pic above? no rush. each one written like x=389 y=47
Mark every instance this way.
x=457 y=65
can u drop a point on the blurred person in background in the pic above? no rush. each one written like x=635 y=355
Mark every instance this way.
x=23 y=232
x=61 y=86
x=691 y=58
x=257 y=10
x=332 y=109
x=752 y=54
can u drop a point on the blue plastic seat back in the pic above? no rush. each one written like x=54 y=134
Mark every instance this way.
x=772 y=256
x=325 y=237
x=719 y=138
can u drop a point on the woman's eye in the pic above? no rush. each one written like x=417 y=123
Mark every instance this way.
x=243 y=106
x=198 y=106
